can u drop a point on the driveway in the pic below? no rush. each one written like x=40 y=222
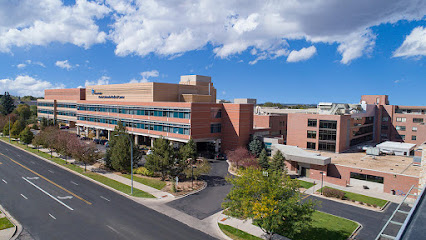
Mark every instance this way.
x=208 y=201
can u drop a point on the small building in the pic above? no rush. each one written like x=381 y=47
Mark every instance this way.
x=245 y=101
x=397 y=148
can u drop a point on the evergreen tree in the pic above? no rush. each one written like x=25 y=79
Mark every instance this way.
x=255 y=147
x=277 y=163
x=26 y=136
x=7 y=103
x=6 y=127
x=23 y=111
x=118 y=155
x=263 y=159
x=161 y=159
x=17 y=128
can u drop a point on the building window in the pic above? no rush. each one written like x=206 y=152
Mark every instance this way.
x=385 y=127
x=417 y=120
x=366 y=177
x=310 y=145
x=385 y=119
x=216 y=113
x=402 y=137
x=414 y=129
x=400 y=128
x=328 y=124
x=312 y=122
x=414 y=138
x=384 y=135
x=327 y=135
x=312 y=134
x=215 y=128
x=401 y=119
x=326 y=146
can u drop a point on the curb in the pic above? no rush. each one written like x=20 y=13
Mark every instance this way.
x=355 y=232
x=349 y=203
x=193 y=192
x=18 y=226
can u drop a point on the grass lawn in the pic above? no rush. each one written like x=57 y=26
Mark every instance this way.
x=326 y=226
x=236 y=234
x=5 y=223
x=304 y=184
x=107 y=181
x=157 y=184
x=363 y=198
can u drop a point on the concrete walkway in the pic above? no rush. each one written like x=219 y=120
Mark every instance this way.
x=12 y=232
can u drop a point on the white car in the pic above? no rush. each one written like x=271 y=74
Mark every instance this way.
x=149 y=152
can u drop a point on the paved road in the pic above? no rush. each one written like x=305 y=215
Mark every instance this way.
x=207 y=202
x=38 y=194
x=371 y=221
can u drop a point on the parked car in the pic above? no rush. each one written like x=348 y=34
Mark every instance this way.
x=221 y=156
x=84 y=138
x=97 y=141
x=149 y=152
x=64 y=127
x=103 y=141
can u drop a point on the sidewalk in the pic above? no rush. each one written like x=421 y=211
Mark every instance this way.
x=12 y=232
x=370 y=193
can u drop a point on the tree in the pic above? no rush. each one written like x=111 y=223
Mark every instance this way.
x=26 y=136
x=7 y=103
x=118 y=154
x=263 y=159
x=87 y=154
x=277 y=163
x=187 y=156
x=255 y=147
x=33 y=109
x=17 y=128
x=162 y=158
x=6 y=127
x=197 y=168
x=241 y=157
x=272 y=201
x=23 y=111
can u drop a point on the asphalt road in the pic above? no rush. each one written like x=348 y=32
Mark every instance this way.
x=207 y=202
x=52 y=203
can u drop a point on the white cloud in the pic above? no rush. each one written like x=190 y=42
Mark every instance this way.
x=145 y=76
x=231 y=27
x=104 y=80
x=413 y=45
x=396 y=81
x=29 y=62
x=64 y=64
x=40 y=22
x=21 y=65
x=301 y=55
x=24 y=85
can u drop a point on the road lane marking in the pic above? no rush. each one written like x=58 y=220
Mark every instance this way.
x=63 y=198
x=32 y=178
x=51 y=171
x=52 y=216
x=4 y=181
x=74 y=183
x=306 y=196
x=75 y=195
x=39 y=188
x=32 y=162
x=105 y=198
x=113 y=229
x=24 y=196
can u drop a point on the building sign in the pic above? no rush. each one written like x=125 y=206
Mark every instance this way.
x=100 y=95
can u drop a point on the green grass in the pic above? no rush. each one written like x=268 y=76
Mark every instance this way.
x=5 y=223
x=157 y=184
x=102 y=179
x=304 y=184
x=362 y=198
x=326 y=226
x=236 y=234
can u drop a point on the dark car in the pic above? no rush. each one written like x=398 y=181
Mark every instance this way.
x=64 y=127
x=84 y=138
x=221 y=156
x=97 y=141
x=103 y=141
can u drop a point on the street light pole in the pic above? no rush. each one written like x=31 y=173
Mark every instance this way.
x=322 y=180
x=131 y=160
x=9 y=128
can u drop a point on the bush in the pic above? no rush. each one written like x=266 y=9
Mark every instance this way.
x=362 y=203
x=368 y=204
x=374 y=205
x=353 y=200
x=329 y=192
x=143 y=171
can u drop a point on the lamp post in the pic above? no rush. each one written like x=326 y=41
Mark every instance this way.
x=192 y=176
x=322 y=180
x=131 y=159
x=9 y=128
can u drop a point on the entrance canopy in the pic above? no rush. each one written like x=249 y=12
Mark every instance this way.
x=293 y=153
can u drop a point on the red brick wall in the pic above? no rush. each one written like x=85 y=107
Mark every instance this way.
x=65 y=94
x=276 y=123
x=237 y=125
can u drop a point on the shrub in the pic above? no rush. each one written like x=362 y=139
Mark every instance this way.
x=144 y=171
x=374 y=205
x=353 y=200
x=362 y=203
x=368 y=204
x=330 y=192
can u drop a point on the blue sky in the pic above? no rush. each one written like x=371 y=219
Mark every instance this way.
x=291 y=52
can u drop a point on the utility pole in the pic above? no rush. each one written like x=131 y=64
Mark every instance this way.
x=9 y=128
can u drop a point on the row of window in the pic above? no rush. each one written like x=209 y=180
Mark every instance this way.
x=327 y=146
x=402 y=137
x=410 y=111
x=363 y=130
x=329 y=124
x=66 y=113
x=44 y=111
x=44 y=104
x=142 y=111
x=415 y=120
x=66 y=105
x=148 y=125
x=366 y=177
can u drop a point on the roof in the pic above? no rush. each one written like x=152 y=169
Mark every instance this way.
x=296 y=154
x=396 y=145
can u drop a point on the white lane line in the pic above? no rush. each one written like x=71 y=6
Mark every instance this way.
x=52 y=216
x=105 y=198
x=4 y=181
x=66 y=197
x=113 y=229
x=32 y=162
x=59 y=201
x=51 y=171
x=74 y=183
x=32 y=178
x=18 y=155
x=24 y=196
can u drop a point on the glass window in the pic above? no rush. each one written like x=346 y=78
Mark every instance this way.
x=400 y=128
x=385 y=119
x=413 y=138
x=326 y=146
x=310 y=145
x=312 y=134
x=328 y=124
x=399 y=119
x=327 y=135
x=402 y=137
x=312 y=122
x=215 y=128
x=385 y=127
x=417 y=120
x=414 y=129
